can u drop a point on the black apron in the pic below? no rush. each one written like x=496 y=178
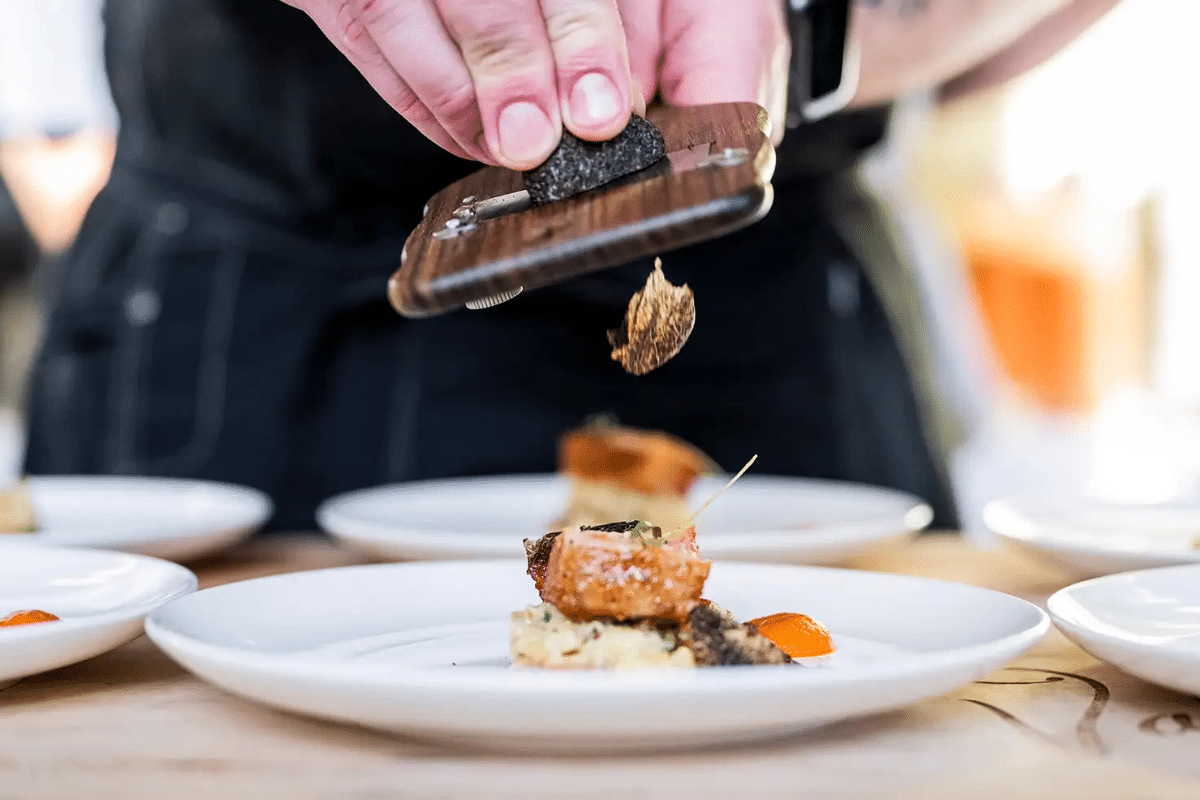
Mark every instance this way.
x=223 y=313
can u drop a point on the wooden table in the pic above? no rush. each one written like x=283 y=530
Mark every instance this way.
x=1055 y=724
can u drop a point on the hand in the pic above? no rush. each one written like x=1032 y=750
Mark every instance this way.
x=492 y=80
x=710 y=51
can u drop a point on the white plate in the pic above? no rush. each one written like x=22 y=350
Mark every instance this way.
x=1093 y=537
x=161 y=517
x=1146 y=623
x=100 y=597
x=421 y=648
x=759 y=519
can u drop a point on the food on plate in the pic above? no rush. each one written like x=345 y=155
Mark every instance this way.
x=798 y=635
x=27 y=618
x=541 y=636
x=626 y=473
x=623 y=573
x=627 y=595
x=16 y=512
x=717 y=639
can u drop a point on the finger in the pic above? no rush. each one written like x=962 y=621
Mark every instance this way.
x=716 y=52
x=412 y=39
x=592 y=66
x=639 y=99
x=642 y=22
x=354 y=42
x=507 y=53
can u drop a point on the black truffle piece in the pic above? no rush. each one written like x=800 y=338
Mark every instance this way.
x=613 y=527
x=718 y=640
x=577 y=166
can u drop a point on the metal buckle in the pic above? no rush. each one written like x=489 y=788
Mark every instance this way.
x=823 y=76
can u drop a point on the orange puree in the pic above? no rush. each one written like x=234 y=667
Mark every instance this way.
x=26 y=618
x=795 y=634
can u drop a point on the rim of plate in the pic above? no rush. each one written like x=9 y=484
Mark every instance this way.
x=256 y=496
x=481 y=679
x=1003 y=518
x=910 y=515
x=1063 y=601
x=260 y=505
x=186 y=578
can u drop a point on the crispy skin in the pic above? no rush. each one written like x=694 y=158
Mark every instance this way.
x=537 y=553
x=605 y=575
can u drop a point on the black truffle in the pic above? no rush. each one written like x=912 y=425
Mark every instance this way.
x=613 y=527
x=577 y=166
x=718 y=640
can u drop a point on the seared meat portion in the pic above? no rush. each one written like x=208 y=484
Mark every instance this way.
x=597 y=574
x=537 y=552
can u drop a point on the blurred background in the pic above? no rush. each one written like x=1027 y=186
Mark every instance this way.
x=1052 y=221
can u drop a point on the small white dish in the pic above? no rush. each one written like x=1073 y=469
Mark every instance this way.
x=761 y=518
x=100 y=597
x=422 y=649
x=1146 y=623
x=1090 y=537
x=166 y=518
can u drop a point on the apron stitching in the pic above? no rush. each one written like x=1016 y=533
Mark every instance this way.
x=125 y=394
x=80 y=275
x=213 y=369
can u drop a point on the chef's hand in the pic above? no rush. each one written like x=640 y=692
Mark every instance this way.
x=496 y=80
x=710 y=51
x=492 y=80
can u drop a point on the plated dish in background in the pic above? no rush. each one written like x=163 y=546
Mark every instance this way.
x=762 y=518
x=1146 y=623
x=166 y=518
x=1089 y=537
x=99 y=600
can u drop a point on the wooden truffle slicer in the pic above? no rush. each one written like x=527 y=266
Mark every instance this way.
x=482 y=241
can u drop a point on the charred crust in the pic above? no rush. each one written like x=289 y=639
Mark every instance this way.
x=537 y=554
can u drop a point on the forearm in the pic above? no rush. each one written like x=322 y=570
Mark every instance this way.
x=910 y=45
x=1043 y=41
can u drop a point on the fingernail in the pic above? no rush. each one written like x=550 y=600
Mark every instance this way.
x=594 y=99
x=526 y=135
